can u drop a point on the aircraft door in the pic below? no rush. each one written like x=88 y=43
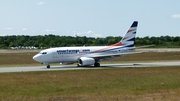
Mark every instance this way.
x=55 y=54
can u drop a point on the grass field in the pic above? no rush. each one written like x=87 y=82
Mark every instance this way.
x=123 y=84
x=127 y=84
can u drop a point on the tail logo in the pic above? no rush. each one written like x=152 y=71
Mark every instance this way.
x=129 y=37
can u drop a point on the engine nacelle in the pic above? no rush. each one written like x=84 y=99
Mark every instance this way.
x=85 y=61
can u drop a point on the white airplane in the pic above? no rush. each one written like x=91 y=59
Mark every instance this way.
x=87 y=56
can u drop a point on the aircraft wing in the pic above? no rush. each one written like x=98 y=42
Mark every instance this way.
x=141 y=47
x=120 y=54
x=144 y=46
x=113 y=55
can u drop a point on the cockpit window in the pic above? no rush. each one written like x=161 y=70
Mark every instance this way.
x=43 y=53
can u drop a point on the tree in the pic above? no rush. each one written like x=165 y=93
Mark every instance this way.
x=11 y=44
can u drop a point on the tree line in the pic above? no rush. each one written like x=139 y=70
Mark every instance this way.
x=47 y=41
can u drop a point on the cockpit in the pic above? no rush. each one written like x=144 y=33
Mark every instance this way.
x=40 y=57
x=42 y=52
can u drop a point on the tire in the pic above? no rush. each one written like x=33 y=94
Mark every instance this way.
x=97 y=65
x=48 y=66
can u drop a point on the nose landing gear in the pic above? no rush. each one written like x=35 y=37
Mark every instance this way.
x=48 y=66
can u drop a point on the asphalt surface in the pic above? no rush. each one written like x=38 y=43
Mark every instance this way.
x=73 y=67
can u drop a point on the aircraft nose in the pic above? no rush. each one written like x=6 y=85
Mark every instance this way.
x=37 y=58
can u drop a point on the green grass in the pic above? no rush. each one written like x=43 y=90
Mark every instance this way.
x=17 y=59
x=127 y=84
x=124 y=84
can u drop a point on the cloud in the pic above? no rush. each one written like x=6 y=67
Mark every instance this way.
x=24 y=29
x=175 y=16
x=41 y=3
x=9 y=28
x=49 y=31
x=87 y=33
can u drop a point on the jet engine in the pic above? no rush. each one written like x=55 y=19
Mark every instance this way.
x=85 y=61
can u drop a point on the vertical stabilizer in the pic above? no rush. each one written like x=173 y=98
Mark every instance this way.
x=129 y=37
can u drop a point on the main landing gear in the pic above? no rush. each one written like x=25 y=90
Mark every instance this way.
x=96 y=64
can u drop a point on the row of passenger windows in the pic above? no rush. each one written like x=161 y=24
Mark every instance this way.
x=69 y=51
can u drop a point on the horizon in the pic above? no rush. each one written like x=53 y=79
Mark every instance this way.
x=86 y=36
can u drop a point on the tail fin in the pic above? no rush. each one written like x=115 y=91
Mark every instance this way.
x=129 y=38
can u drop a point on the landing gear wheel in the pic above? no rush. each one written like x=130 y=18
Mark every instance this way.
x=97 y=65
x=48 y=66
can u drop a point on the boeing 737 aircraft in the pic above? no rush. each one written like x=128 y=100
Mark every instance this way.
x=87 y=56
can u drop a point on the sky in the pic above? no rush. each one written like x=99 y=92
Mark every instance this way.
x=90 y=18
